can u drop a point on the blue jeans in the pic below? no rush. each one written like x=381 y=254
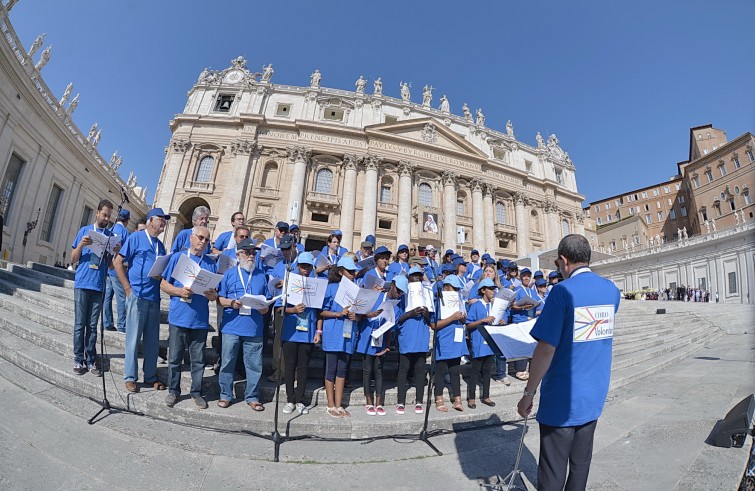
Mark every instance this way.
x=500 y=367
x=179 y=339
x=87 y=308
x=252 y=349
x=143 y=324
x=113 y=287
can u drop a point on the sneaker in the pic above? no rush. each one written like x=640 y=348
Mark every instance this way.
x=95 y=371
x=289 y=408
x=399 y=409
x=370 y=410
x=200 y=402
x=302 y=408
x=380 y=410
x=170 y=400
x=79 y=369
x=110 y=328
x=419 y=409
x=464 y=360
x=121 y=332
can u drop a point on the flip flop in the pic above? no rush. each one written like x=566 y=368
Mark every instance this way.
x=256 y=406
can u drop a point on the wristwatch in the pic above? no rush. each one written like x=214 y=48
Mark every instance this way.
x=528 y=393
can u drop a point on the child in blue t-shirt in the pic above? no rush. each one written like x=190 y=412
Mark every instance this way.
x=450 y=346
x=482 y=355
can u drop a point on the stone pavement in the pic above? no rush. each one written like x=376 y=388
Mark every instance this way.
x=651 y=437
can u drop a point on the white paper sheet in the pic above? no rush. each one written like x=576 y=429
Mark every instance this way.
x=419 y=296
x=357 y=300
x=451 y=304
x=101 y=242
x=190 y=274
x=466 y=290
x=498 y=309
x=270 y=255
x=257 y=302
x=321 y=260
x=371 y=281
x=309 y=291
x=161 y=262
x=226 y=262
x=367 y=263
x=528 y=300
x=514 y=340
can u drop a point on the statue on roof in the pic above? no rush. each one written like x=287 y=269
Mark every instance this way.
x=466 y=112
x=314 y=79
x=539 y=138
x=361 y=83
x=444 y=105
x=92 y=132
x=66 y=95
x=36 y=44
x=43 y=59
x=405 y=94
x=239 y=62
x=509 y=128
x=96 y=139
x=427 y=96
x=267 y=73
x=480 y=117
x=72 y=106
x=377 y=87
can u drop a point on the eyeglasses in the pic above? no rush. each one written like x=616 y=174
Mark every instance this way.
x=202 y=238
x=242 y=237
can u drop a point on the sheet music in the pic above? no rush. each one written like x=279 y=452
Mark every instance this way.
x=514 y=340
x=357 y=300
x=225 y=263
x=309 y=291
x=101 y=242
x=528 y=300
x=371 y=281
x=367 y=263
x=452 y=303
x=190 y=274
x=498 y=309
x=161 y=262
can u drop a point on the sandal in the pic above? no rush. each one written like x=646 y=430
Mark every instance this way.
x=471 y=404
x=343 y=413
x=440 y=405
x=333 y=412
x=370 y=410
x=223 y=403
x=457 y=404
x=157 y=385
x=522 y=375
x=256 y=406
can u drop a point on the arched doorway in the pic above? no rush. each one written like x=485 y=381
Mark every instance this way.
x=183 y=218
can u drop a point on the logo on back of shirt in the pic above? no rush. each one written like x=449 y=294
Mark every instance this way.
x=593 y=323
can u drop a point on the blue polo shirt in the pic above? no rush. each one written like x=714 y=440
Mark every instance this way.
x=122 y=232
x=194 y=314
x=446 y=348
x=307 y=319
x=480 y=348
x=396 y=268
x=574 y=388
x=90 y=273
x=524 y=315
x=140 y=252
x=221 y=243
x=237 y=282
x=333 y=338
x=183 y=241
x=414 y=334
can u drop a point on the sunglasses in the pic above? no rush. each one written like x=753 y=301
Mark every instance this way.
x=202 y=238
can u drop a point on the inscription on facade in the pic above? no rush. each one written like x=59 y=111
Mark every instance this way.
x=416 y=152
x=279 y=135
x=336 y=140
x=503 y=177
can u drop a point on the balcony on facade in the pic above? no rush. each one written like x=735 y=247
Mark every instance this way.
x=505 y=230
x=323 y=200
x=269 y=193
x=202 y=187
x=387 y=207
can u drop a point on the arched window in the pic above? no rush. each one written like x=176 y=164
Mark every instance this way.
x=204 y=172
x=564 y=228
x=461 y=203
x=500 y=212
x=324 y=181
x=270 y=175
x=386 y=188
x=425 y=194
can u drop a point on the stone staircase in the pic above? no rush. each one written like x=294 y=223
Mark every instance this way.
x=36 y=325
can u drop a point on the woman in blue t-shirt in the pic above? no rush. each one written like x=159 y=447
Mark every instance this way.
x=450 y=346
x=400 y=263
x=373 y=349
x=413 y=343
x=339 y=328
x=482 y=355
x=299 y=335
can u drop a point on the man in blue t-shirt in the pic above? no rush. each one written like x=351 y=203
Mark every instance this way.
x=188 y=319
x=87 y=289
x=142 y=293
x=226 y=240
x=200 y=217
x=573 y=360
x=113 y=287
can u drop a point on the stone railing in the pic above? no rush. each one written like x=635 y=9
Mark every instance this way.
x=323 y=199
x=504 y=228
x=387 y=207
x=207 y=187
x=270 y=193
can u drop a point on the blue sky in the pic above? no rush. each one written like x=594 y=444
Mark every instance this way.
x=620 y=83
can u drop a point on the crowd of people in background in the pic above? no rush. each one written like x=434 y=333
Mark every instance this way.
x=682 y=294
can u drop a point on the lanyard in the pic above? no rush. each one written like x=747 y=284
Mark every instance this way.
x=487 y=307
x=332 y=258
x=157 y=244
x=241 y=278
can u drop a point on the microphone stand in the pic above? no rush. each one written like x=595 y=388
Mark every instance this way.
x=423 y=434
x=508 y=483
x=278 y=439
x=105 y=403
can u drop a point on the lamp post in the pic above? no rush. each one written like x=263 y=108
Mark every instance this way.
x=31 y=226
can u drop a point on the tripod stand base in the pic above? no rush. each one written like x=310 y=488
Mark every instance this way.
x=424 y=437
x=110 y=410
x=508 y=483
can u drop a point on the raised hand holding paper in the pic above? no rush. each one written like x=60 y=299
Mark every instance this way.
x=452 y=303
x=498 y=309
x=309 y=291
x=191 y=275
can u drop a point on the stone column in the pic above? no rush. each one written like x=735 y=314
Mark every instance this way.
x=369 y=205
x=166 y=188
x=237 y=181
x=490 y=239
x=449 y=210
x=478 y=215
x=299 y=156
x=404 y=226
x=552 y=225
x=349 y=201
x=522 y=225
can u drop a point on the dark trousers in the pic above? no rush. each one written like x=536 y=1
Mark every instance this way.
x=560 y=446
x=517 y=366
x=296 y=356
x=179 y=339
x=415 y=362
x=486 y=365
x=453 y=368
x=372 y=366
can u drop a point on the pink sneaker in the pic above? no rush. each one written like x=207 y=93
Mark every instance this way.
x=399 y=409
x=419 y=409
x=370 y=410
x=380 y=411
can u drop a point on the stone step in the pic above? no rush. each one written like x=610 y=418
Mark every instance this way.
x=51 y=270
x=56 y=370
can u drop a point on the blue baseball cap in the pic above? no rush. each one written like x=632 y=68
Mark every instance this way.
x=454 y=281
x=538 y=274
x=338 y=233
x=382 y=250
x=485 y=283
x=447 y=268
x=525 y=271
x=293 y=227
x=513 y=265
x=415 y=270
x=370 y=238
x=157 y=212
x=448 y=251
x=485 y=256
x=553 y=274
x=347 y=262
x=124 y=215
x=490 y=260
x=541 y=282
x=402 y=247
x=474 y=251
x=505 y=263
x=282 y=226
x=401 y=282
x=306 y=258
x=287 y=242
x=459 y=261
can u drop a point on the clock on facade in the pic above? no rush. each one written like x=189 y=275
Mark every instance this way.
x=233 y=77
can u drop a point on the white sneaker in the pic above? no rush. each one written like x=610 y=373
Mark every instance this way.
x=302 y=408
x=289 y=408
